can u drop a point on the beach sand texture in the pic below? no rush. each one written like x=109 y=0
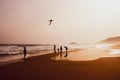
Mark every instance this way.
x=44 y=68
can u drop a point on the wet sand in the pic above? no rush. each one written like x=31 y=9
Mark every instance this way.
x=45 y=68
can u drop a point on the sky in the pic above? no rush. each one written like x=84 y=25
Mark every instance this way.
x=83 y=21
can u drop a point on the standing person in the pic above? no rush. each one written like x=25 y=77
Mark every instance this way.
x=60 y=51
x=54 y=48
x=24 y=52
x=54 y=52
x=66 y=48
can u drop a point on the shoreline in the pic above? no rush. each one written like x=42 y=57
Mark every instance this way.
x=20 y=59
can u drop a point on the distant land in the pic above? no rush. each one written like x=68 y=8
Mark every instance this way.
x=73 y=43
x=112 y=40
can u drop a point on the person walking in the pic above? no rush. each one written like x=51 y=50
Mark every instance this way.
x=24 y=52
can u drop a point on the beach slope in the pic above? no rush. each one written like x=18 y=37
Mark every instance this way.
x=44 y=68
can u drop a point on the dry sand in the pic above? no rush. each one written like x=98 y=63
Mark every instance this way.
x=45 y=68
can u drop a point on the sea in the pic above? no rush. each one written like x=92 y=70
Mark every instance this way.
x=10 y=53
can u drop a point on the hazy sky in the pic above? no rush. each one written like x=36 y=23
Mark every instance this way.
x=26 y=21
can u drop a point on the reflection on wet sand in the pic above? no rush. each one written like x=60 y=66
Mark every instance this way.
x=87 y=54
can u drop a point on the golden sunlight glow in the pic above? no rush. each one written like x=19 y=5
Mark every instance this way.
x=115 y=51
x=101 y=46
x=84 y=21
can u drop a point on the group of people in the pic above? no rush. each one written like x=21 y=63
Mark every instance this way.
x=60 y=50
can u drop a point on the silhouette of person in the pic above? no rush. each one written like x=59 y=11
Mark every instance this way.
x=24 y=52
x=54 y=48
x=50 y=22
x=54 y=52
x=66 y=48
x=60 y=51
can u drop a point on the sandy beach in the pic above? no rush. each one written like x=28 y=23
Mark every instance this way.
x=85 y=33
x=45 y=68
